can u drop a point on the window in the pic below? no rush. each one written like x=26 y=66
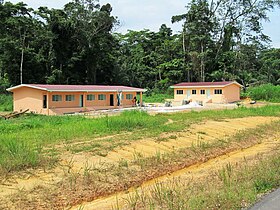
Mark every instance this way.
x=90 y=97
x=193 y=92
x=129 y=96
x=180 y=92
x=56 y=98
x=69 y=98
x=101 y=97
x=202 y=92
x=218 y=91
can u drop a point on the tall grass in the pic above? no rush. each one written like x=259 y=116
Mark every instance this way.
x=267 y=92
x=156 y=98
x=21 y=139
x=230 y=188
x=6 y=102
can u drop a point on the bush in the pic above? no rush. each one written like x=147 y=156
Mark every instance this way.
x=156 y=98
x=267 y=92
x=6 y=102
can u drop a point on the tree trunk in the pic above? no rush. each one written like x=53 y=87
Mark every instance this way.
x=21 y=60
x=202 y=64
x=184 y=51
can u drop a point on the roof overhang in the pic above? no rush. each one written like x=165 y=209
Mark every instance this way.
x=207 y=86
x=96 y=91
x=68 y=91
x=24 y=85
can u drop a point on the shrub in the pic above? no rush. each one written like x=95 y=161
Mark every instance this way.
x=6 y=102
x=267 y=92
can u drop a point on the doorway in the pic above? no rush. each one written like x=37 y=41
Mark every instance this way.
x=111 y=99
x=188 y=93
x=44 y=101
x=208 y=93
x=81 y=100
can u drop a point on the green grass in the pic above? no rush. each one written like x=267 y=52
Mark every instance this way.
x=6 y=103
x=265 y=92
x=156 y=98
x=231 y=188
x=22 y=139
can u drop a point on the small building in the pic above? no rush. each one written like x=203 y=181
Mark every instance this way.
x=62 y=99
x=206 y=92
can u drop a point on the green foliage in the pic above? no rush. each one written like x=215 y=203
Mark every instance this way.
x=21 y=139
x=267 y=92
x=220 y=40
x=6 y=102
x=156 y=98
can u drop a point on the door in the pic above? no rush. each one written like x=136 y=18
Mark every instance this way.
x=44 y=101
x=111 y=99
x=208 y=93
x=81 y=100
x=188 y=93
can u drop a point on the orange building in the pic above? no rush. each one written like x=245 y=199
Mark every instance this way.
x=206 y=92
x=62 y=99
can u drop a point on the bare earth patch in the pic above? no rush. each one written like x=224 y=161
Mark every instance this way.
x=48 y=186
x=195 y=172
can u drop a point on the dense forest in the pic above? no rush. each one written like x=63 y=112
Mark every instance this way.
x=219 y=40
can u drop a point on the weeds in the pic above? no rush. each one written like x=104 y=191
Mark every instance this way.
x=22 y=139
x=107 y=178
x=235 y=188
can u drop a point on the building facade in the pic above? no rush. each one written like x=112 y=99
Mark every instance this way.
x=207 y=92
x=63 y=99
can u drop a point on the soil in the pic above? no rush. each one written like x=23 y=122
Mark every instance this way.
x=206 y=131
x=194 y=172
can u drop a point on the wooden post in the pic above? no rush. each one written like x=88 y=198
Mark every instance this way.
x=115 y=100
x=48 y=104
x=141 y=99
x=84 y=100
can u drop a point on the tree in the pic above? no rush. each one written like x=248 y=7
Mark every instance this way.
x=197 y=41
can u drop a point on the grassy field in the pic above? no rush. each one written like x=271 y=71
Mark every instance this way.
x=49 y=143
x=22 y=140
x=6 y=103
x=265 y=92
x=92 y=181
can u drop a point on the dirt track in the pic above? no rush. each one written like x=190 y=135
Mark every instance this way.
x=203 y=132
x=206 y=131
x=194 y=172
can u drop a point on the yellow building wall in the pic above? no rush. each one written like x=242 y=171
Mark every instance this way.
x=230 y=93
x=32 y=99
x=28 y=98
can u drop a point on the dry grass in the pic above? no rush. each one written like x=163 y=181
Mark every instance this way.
x=94 y=181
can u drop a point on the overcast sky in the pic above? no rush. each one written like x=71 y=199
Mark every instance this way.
x=150 y=14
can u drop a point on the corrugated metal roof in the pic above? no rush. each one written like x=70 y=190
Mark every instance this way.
x=77 y=88
x=205 y=84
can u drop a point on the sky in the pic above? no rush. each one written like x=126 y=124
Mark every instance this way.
x=150 y=14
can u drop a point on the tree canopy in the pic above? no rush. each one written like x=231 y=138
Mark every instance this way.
x=219 y=40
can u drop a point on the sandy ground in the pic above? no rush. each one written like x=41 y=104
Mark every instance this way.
x=188 y=174
x=206 y=131
x=154 y=108
x=203 y=132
